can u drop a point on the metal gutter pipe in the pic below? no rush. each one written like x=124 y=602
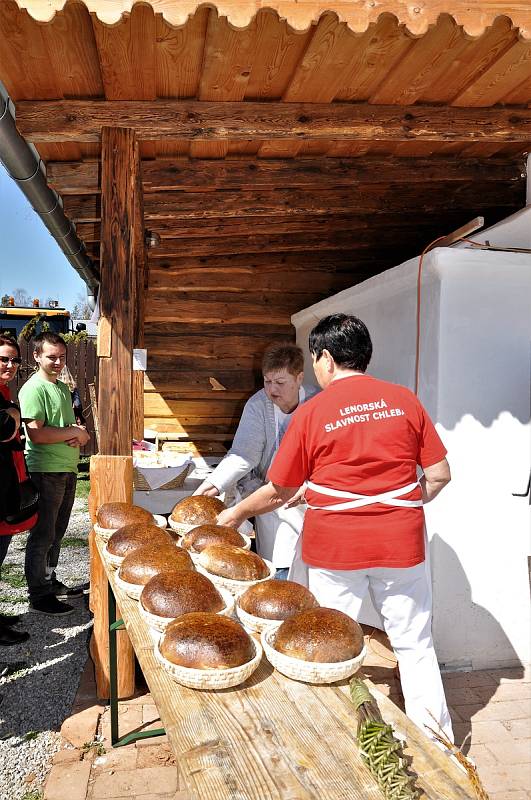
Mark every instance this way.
x=25 y=167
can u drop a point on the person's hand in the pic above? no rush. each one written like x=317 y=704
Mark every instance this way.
x=207 y=489
x=80 y=436
x=297 y=498
x=230 y=517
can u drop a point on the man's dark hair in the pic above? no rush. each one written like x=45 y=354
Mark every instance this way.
x=46 y=337
x=346 y=338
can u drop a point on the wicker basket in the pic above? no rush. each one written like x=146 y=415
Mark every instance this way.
x=255 y=624
x=211 y=678
x=308 y=671
x=141 y=484
x=132 y=590
x=235 y=587
x=106 y=533
x=195 y=556
x=161 y=623
x=114 y=561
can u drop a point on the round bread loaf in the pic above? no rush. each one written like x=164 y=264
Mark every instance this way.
x=320 y=634
x=276 y=599
x=197 y=510
x=131 y=537
x=232 y=562
x=203 y=535
x=206 y=641
x=172 y=594
x=116 y=515
x=150 y=559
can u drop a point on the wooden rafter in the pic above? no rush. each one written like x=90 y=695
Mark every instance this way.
x=83 y=177
x=161 y=120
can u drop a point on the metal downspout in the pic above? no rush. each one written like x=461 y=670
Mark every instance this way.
x=25 y=167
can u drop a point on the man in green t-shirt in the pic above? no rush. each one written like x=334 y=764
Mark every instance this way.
x=52 y=452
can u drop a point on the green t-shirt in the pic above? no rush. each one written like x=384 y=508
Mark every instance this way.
x=51 y=403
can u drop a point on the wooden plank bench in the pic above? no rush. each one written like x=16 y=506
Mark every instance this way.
x=273 y=738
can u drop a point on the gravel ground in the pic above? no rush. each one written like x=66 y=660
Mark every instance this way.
x=36 y=700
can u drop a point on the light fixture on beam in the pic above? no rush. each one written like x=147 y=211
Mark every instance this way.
x=151 y=239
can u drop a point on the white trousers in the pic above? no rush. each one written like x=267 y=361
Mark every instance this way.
x=403 y=598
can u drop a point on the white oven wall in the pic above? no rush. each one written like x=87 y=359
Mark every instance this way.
x=475 y=383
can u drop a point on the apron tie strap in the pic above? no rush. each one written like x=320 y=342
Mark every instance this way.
x=390 y=498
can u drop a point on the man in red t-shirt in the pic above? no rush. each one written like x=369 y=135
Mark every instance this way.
x=356 y=447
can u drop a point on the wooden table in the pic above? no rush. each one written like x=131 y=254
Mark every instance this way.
x=273 y=738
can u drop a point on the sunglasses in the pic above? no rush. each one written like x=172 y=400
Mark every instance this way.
x=7 y=360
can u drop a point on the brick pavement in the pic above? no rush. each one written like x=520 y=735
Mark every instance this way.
x=491 y=712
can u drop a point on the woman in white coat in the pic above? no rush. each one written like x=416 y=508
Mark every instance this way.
x=265 y=418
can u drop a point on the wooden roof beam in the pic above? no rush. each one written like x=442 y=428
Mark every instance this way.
x=83 y=177
x=162 y=120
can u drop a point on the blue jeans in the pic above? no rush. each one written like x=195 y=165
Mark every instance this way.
x=57 y=491
x=282 y=574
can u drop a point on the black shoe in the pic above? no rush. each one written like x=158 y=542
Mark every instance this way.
x=9 y=669
x=9 y=637
x=10 y=619
x=51 y=605
x=64 y=592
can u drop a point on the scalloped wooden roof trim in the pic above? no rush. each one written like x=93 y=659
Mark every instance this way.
x=415 y=15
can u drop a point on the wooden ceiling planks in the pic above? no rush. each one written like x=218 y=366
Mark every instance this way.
x=179 y=56
x=127 y=55
x=509 y=71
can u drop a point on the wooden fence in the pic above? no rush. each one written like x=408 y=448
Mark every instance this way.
x=82 y=362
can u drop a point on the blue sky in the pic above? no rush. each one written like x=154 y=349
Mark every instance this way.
x=29 y=256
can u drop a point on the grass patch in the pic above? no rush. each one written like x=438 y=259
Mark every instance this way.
x=33 y=794
x=13 y=576
x=30 y=735
x=83 y=487
x=74 y=541
x=95 y=746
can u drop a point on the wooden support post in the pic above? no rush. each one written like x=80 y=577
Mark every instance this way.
x=111 y=478
x=112 y=470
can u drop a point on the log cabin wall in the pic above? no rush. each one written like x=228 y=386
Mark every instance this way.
x=279 y=165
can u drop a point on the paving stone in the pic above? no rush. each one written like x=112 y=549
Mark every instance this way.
x=81 y=727
x=504 y=710
x=522 y=674
x=514 y=690
x=518 y=795
x=490 y=731
x=518 y=728
x=117 y=758
x=150 y=713
x=155 y=756
x=66 y=756
x=456 y=696
x=135 y=782
x=463 y=680
x=67 y=780
x=512 y=752
x=482 y=756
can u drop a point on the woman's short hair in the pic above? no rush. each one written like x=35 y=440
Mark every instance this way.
x=283 y=355
x=8 y=341
x=346 y=338
x=48 y=337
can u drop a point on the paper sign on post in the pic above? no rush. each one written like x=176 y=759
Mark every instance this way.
x=140 y=360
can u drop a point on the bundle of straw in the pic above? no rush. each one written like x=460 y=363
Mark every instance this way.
x=379 y=748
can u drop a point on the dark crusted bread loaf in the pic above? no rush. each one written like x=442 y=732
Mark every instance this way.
x=197 y=510
x=276 y=599
x=174 y=593
x=131 y=537
x=232 y=562
x=116 y=515
x=142 y=564
x=206 y=641
x=200 y=537
x=321 y=634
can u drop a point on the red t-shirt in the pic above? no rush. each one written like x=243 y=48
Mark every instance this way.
x=20 y=466
x=365 y=436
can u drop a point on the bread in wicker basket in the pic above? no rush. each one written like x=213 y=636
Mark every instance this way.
x=143 y=564
x=208 y=651
x=233 y=568
x=201 y=536
x=270 y=602
x=193 y=511
x=308 y=671
x=169 y=595
x=129 y=538
x=122 y=514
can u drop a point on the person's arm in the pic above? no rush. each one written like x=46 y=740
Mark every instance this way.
x=266 y=498
x=39 y=433
x=245 y=454
x=435 y=478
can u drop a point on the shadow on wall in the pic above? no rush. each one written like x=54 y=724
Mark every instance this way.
x=471 y=629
